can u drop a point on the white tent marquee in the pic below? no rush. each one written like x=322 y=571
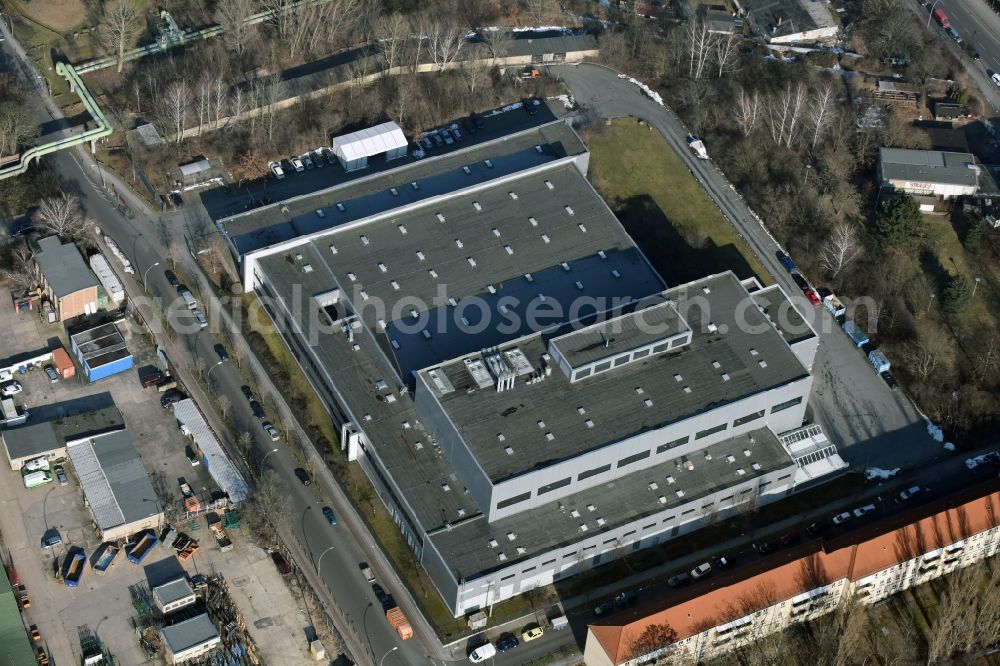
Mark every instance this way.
x=354 y=149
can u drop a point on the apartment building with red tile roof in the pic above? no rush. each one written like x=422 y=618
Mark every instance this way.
x=870 y=564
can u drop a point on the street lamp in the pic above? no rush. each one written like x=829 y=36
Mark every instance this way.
x=209 y=373
x=145 y=274
x=260 y=467
x=319 y=562
x=931 y=12
x=382 y=660
x=975 y=286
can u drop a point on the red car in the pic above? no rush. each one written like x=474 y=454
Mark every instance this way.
x=812 y=296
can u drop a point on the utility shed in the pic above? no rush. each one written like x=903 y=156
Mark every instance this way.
x=189 y=639
x=16 y=647
x=112 y=285
x=69 y=284
x=354 y=149
x=173 y=595
x=101 y=351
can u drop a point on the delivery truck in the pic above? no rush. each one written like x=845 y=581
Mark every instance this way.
x=75 y=569
x=879 y=361
x=399 y=622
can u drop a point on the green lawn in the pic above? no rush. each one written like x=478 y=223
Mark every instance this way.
x=663 y=207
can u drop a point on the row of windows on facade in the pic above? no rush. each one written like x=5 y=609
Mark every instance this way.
x=642 y=455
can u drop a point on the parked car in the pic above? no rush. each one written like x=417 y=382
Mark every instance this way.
x=426 y=143
x=800 y=282
x=171 y=279
x=889 y=379
x=276 y=170
x=841 y=518
x=812 y=296
x=478 y=122
x=199 y=317
x=470 y=126
x=192 y=458
x=297 y=164
x=61 y=475
x=329 y=156
x=678 y=580
x=247 y=392
x=701 y=570
x=606 y=608
x=51 y=373
x=765 y=547
x=455 y=133
x=817 y=528
x=910 y=492
x=10 y=388
x=271 y=431
x=366 y=571
x=176 y=199
x=954 y=35
x=531 y=633
x=257 y=409
x=221 y=351
x=995 y=77
x=436 y=138
x=170 y=397
x=722 y=561
x=482 y=653
x=303 y=476
x=306 y=160
x=50 y=539
x=446 y=135
x=530 y=106
x=317 y=158
x=790 y=538
x=380 y=594
x=328 y=514
x=507 y=643
x=625 y=599
x=863 y=510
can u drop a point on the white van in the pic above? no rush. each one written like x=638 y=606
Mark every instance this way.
x=558 y=622
x=482 y=653
x=6 y=375
x=36 y=464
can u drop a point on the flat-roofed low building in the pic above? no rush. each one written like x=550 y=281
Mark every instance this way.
x=102 y=351
x=934 y=172
x=47 y=439
x=119 y=494
x=173 y=595
x=189 y=639
x=499 y=354
x=791 y=21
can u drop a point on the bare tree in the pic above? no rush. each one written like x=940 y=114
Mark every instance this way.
x=727 y=49
x=120 y=25
x=841 y=249
x=474 y=74
x=391 y=33
x=784 y=114
x=497 y=40
x=224 y=405
x=21 y=274
x=820 y=112
x=16 y=127
x=220 y=95
x=922 y=360
x=267 y=508
x=232 y=16
x=176 y=105
x=404 y=93
x=699 y=47
x=203 y=103
x=62 y=215
x=444 y=42
x=271 y=94
x=747 y=111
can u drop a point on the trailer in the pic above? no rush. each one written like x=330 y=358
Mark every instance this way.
x=854 y=332
x=399 y=622
x=75 y=569
x=107 y=558
x=142 y=547
x=35 y=479
x=879 y=361
x=833 y=304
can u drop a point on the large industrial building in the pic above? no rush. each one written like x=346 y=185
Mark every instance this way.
x=526 y=394
x=929 y=172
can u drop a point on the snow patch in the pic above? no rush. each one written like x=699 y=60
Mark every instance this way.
x=948 y=446
x=567 y=100
x=973 y=463
x=935 y=432
x=879 y=473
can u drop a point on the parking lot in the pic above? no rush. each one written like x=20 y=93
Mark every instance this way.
x=103 y=604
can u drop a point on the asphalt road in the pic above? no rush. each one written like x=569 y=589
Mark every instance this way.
x=871 y=424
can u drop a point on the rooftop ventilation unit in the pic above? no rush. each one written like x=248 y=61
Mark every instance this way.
x=512 y=195
x=476 y=205
x=568 y=209
x=402 y=229
x=533 y=221
x=364 y=240
x=574 y=513
x=602 y=254
x=488 y=163
x=320 y=213
x=440 y=217
x=511 y=536
x=467 y=170
x=415 y=185
x=549 y=185
x=333 y=249
x=394 y=191
x=582 y=228
x=340 y=206
x=307 y=268
x=477 y=370
x=508 y=249
x=420 y=255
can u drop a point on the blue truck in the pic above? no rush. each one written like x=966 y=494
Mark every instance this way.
x=854 y=332
x=787 y=262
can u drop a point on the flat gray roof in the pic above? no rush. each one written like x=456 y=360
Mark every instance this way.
x=113 y=479
x=620 y=334
x=190 y=633
x=35 y=439
x=716 y=368
x=63 y=267
x=466 y=546
x=494 y=262
x=372 y=193
x=786 y=317
x=173 y=591
x=101 y=345
x=934 y=166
